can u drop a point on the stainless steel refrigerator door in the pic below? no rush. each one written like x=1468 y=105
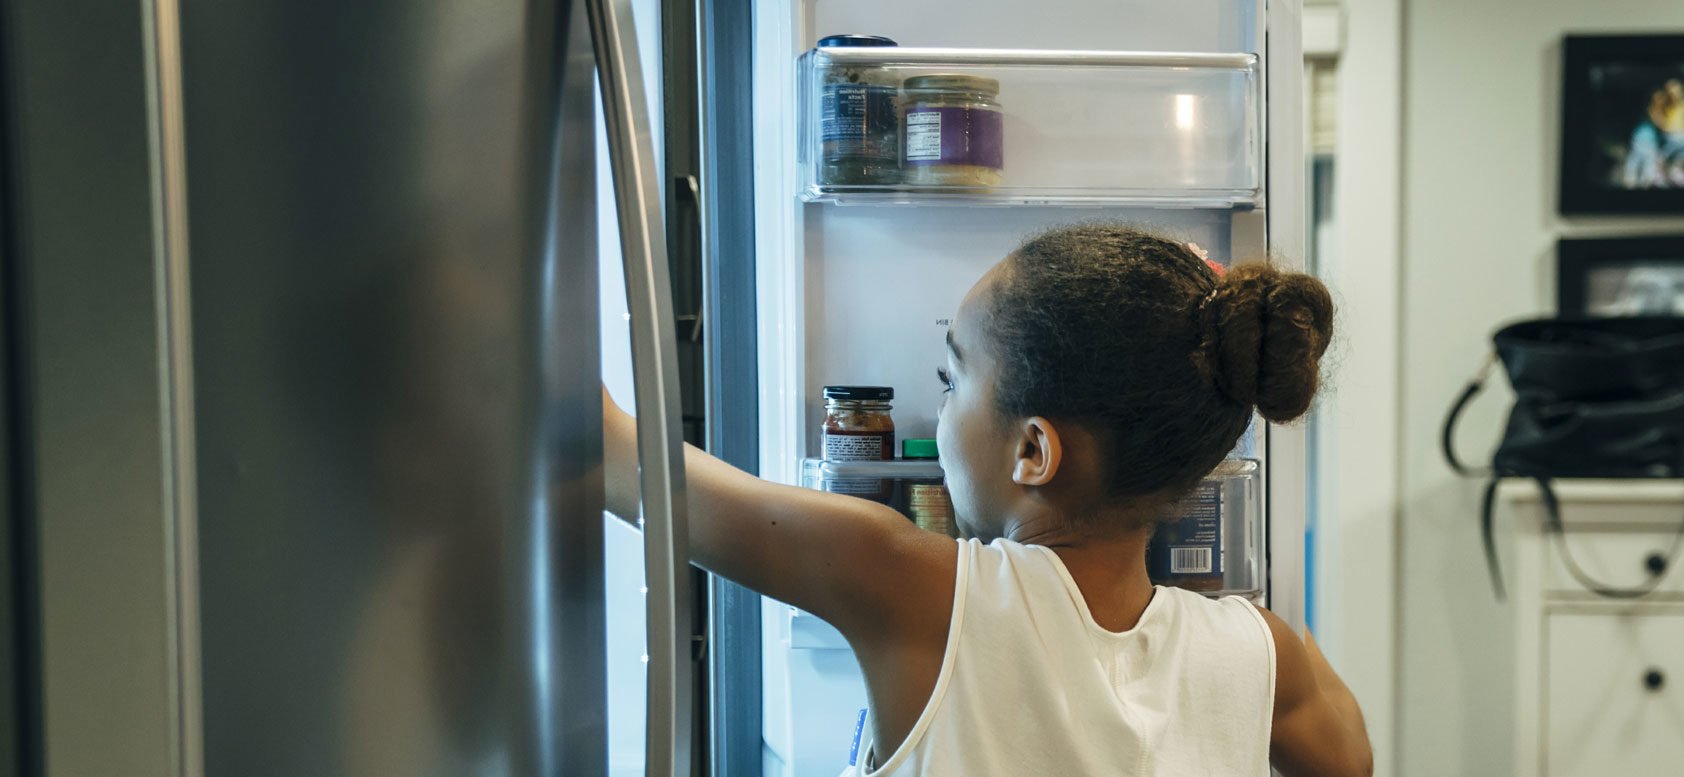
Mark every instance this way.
x=92 y=471
x=394 y=522
x=399 y=457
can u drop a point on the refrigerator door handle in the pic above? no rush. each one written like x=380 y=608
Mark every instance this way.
x=638 y=195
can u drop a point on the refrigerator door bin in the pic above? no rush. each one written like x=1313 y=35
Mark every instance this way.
x=1017 y=126
x=914 y=487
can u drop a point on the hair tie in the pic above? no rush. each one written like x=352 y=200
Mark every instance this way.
x=1209 y=298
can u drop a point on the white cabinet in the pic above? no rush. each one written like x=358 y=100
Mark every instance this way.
x=1614 y=687
x=1620 y=557
x=1599 y=681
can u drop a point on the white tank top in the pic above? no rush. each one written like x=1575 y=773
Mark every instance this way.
x=1031 y=685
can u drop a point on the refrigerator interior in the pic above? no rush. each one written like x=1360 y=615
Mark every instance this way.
x=860 y=294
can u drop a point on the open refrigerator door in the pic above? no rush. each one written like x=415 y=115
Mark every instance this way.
x=903 y=149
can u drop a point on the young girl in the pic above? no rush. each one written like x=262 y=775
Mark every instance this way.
x=1093 y=377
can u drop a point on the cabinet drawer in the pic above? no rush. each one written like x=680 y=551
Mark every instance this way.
x=1616 y=558
x=1614 y=696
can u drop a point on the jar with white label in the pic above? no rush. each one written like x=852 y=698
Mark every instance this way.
x=953 y=131
x=857 y=424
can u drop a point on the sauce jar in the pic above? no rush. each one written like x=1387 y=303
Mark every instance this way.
x=857 y=425
x=859 y=129
x=953 y=131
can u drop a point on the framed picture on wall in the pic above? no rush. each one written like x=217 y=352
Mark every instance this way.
x=1620 y=277
x=1622 y=136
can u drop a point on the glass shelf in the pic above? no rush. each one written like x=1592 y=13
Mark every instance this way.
x=1029 y=127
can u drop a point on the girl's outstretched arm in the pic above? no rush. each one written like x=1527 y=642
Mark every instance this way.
x=858 y=564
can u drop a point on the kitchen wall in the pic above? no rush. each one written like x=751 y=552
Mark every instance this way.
x=1481 y=122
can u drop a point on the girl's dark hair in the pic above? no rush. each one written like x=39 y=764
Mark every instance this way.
x=1137 y=338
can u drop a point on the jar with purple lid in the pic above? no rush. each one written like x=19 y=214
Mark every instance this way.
x=953 y=131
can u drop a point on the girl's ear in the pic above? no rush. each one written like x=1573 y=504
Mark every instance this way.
x=1039 y=453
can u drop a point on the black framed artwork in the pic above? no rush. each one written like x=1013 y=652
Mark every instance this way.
x=1639 y=276
x=1622 y=136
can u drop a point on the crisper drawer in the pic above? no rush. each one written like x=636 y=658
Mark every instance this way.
x=1621 y=559
x=1614 y=701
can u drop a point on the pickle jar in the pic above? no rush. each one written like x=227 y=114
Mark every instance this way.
x=857 y=424
x=953 y=131
x=859 y=127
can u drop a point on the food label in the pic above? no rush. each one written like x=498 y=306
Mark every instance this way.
x=1191 y=546
x=923 y=136
x=875 y=489
x=840 y=446
x=858 y=120
x=954 y=136
x=931 y=507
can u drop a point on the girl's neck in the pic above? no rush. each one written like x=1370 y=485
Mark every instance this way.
x=1109 y=568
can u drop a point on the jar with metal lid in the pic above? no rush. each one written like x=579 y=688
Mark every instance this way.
x=857 y=424
x=953 y=131
x=859 y=129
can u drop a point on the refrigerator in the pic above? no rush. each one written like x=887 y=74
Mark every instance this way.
x=308 y=305
x=1184 y=117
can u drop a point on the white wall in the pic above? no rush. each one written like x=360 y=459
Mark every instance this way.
x=1481 y=118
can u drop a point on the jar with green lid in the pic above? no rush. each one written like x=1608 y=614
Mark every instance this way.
x=927 y=501
x=953 y=131
x=859 y=132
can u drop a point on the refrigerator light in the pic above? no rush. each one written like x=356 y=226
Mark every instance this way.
x=1186 y=111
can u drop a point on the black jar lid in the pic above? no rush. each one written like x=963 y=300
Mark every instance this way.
x=845 y=41
x=860 y=393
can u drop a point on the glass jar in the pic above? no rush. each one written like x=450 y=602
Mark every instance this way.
x=859 y=130
x=927 y=502
x=857 y=425
x=1212 y=541
x=953 y=131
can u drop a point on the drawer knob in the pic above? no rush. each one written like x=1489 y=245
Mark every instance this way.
x=1656 y=564
x=1654 y=679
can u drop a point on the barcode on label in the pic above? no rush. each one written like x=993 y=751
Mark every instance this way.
x=1189 y=561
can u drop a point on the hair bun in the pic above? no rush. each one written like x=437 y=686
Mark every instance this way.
x=1263 y=333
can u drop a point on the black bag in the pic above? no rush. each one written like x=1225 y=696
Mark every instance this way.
x=1595 y=398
